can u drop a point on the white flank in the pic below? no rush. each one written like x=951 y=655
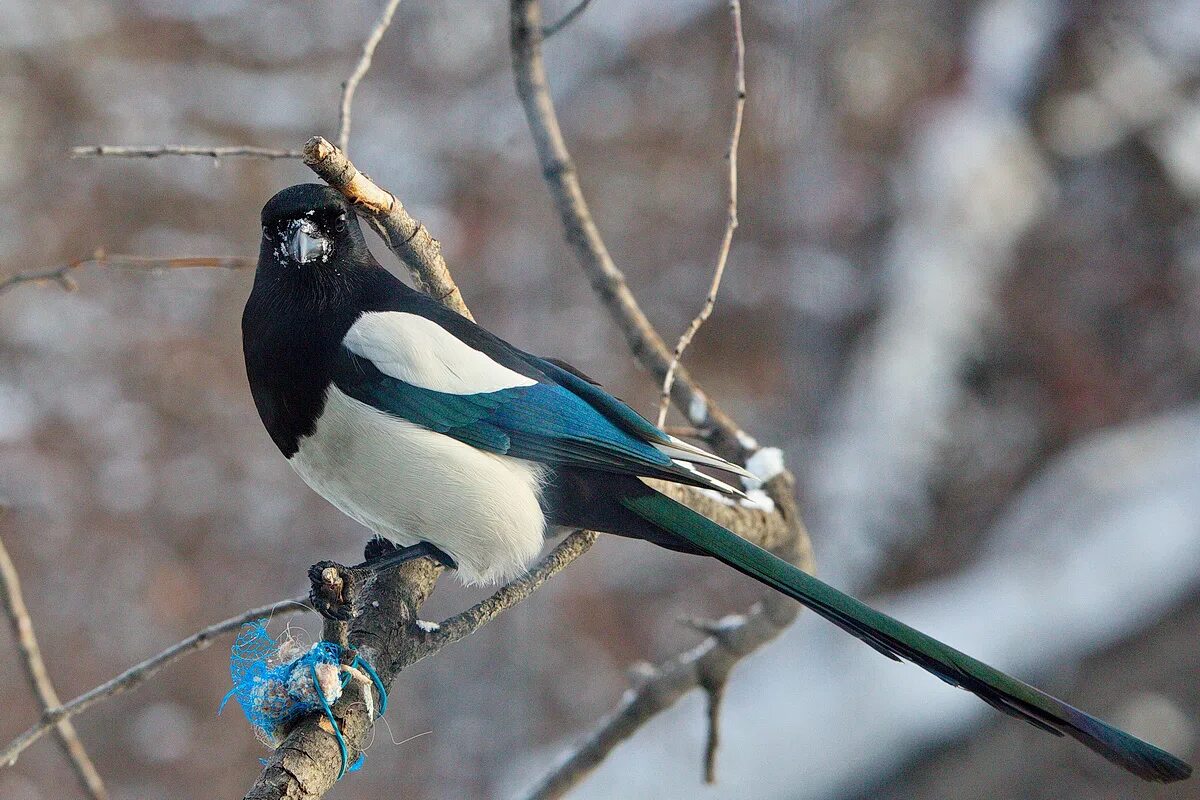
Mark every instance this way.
x=418 y=351
x=410 y=484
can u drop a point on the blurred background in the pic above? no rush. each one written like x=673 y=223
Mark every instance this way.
x=964 y=298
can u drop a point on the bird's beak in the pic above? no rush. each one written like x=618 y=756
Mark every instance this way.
x=308 y=244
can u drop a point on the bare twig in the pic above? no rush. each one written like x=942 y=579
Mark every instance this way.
x=566 y=19
x=558 y=168
x=409 y=239
x=360 y=69
x=708 y=665
x=731 y=213
x=62 y=274
x=155 y=151
x=39 y=678
x=683 y=431
x=714 y=689
x=57 y=275
x=462 y=625
x=139 y=673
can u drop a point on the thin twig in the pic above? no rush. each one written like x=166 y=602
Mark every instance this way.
x=155 y=151
x=139 y=673
x=731 y=215
x=683 y=431
x=463 y=624
x=61 y=274
x=39 y=678
x=558 y=168
x=708 y=665
x=350 y=85
x=57 y=275
x=715 y=694
x=566 y=19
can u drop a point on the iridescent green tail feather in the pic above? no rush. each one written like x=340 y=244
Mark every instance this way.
x=898 y=641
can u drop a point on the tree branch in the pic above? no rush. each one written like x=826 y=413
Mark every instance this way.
x=154 y=151
x=350 y=85
x=409 y=239
x=708 y=665
x=731 y=213
x=566 y=19
x=558 y=168
x=306 y=765
x=139 y=673
x=39 y=678
x=62 y=274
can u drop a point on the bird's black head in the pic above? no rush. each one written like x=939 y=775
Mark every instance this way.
x=308 y=228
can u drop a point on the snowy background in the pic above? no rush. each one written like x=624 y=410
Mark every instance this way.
x=964 y=298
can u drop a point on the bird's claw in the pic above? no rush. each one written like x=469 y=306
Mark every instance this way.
x=333 y=590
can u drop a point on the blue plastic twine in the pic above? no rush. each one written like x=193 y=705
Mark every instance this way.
x=268 y=696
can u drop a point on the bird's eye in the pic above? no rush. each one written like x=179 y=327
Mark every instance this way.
x=308 y=244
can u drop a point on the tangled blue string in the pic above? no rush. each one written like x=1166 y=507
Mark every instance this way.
x=273 y=695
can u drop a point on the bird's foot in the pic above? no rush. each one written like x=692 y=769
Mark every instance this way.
x=381 y=555
x=334 y=588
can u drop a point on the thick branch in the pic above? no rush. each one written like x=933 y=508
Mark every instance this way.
x=307 y=763
x=409 y=239
x=139 y=673
x=39 y=678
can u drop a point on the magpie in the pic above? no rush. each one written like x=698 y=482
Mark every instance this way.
x=449 y=442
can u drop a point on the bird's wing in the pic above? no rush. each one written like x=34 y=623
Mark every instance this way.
x=488 y=395
x=628 y=419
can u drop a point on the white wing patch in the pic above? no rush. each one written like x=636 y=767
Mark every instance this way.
x=418 y=351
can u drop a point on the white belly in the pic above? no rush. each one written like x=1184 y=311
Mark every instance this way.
x=410 y=484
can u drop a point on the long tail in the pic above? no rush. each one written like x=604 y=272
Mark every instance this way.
x=898 y=641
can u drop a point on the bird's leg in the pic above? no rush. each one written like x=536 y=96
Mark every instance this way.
x=380 y=555
x=335 y=587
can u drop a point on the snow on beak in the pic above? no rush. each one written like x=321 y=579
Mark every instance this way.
x=307 y=243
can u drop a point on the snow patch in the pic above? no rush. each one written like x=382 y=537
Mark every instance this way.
x=747 y=441
x=764 y=465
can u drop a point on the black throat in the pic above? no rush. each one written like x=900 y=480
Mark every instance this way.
x=292 y=329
